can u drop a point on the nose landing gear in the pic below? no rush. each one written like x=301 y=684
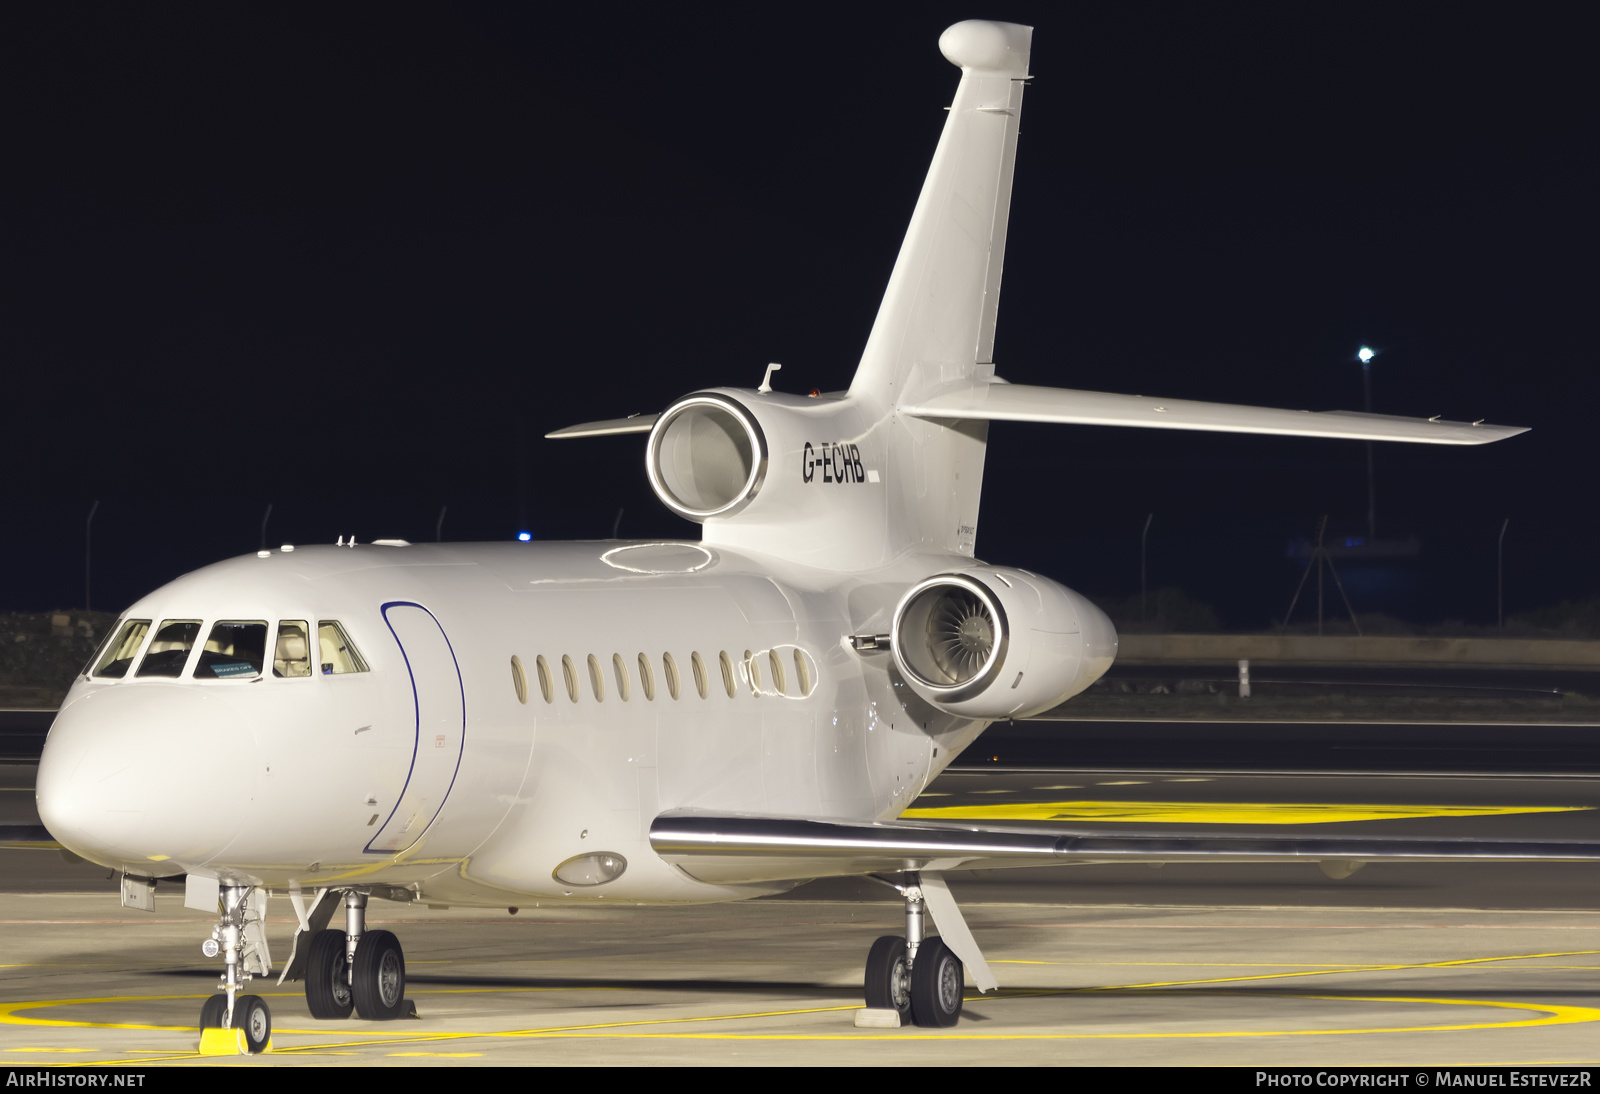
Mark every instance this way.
x=919 y=977
x=232 y=1023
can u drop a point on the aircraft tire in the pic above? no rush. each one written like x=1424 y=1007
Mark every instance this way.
x=380 y=980
x=328 y=993
x=888 y=983
x=936 y=985
x=212 y=1010
x=251 y=1015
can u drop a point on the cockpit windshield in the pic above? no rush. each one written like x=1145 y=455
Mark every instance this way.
x=169 y=649
x=119 y=652
x=235 y=650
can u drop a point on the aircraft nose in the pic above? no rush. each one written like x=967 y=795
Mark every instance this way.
x=135 y=775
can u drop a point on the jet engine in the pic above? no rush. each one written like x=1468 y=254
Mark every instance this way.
x=999 y=643
x=707 y=456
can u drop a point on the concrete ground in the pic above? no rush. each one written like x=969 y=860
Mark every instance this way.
x=1188 y=964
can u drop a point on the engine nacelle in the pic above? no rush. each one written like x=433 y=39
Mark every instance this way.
x=707 y=456
x=992 y=643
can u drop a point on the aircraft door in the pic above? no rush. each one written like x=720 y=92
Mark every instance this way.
x=440 y=713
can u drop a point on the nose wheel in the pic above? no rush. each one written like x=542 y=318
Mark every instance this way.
x=250 y=1026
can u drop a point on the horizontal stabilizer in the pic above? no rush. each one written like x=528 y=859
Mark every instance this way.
x=1024 y=403
x=633 y=423
x=737 y=849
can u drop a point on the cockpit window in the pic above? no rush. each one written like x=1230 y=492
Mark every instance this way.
x=235 y=650
x=118 y=657
x=292 y=657
x=169 y=649
x=336 y=653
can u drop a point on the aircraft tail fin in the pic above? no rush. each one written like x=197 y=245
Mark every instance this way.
x=936 y=323
x=935 y=328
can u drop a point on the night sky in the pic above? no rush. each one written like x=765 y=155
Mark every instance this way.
x=355 y=261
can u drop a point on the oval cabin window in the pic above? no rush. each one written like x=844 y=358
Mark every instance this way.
x=647 y=682
x=699 y=668
x=620 y=669
x=519 y=679
x=669 y=669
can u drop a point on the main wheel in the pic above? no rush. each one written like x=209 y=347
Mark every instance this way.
x=889 y=976
x=328 y=977
x=380 y=980
x=212 y=1010
x=936 y=985
x=250 y=1014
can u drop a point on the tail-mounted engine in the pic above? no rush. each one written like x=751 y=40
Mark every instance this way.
x=707 y=456
x=994 y=643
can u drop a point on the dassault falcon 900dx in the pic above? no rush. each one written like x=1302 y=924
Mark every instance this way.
x=653 y=722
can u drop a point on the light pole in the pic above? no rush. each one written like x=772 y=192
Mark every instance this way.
x=88 y=527
x=1143 y=536
x=1365 y=355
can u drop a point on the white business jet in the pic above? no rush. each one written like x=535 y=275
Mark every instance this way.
x=654 y=723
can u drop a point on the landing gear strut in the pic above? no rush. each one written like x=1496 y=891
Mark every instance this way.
x=356 y=969
x=918 y=976
x=242 y=944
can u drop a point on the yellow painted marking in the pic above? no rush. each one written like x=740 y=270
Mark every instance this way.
x=1217 y=812
x=451 y=1055
x=1551 y=1014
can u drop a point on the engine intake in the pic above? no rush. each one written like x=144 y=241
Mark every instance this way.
x=995 y=643
x=707 y=457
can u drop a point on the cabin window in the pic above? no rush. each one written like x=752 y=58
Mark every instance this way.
x=699 y=668
x=619 y=668
x=545 y=687
x=802 y=672
x=291 y=656
x=118 y=657
x=727 y=673
x=170 y=647
x=669 y=668
x=753 y=671
x=570 y=676
x=776 y=664
x=519 y=679
x=647 y=683
x=236 y=650
x=597 y=679
x=335 y=652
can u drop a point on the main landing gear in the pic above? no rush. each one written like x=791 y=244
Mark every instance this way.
x=918 y=976
x=356 y=969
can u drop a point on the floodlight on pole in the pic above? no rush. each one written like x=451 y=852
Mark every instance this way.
x=1365 y=355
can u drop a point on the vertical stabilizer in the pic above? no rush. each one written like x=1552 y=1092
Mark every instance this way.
x=936 y=323
x=935 y=327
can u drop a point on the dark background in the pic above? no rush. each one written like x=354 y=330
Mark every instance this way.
x=341 y=258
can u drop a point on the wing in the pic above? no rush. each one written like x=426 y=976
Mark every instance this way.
x=746 y=849
x=633 y=423
x=1026 y=403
